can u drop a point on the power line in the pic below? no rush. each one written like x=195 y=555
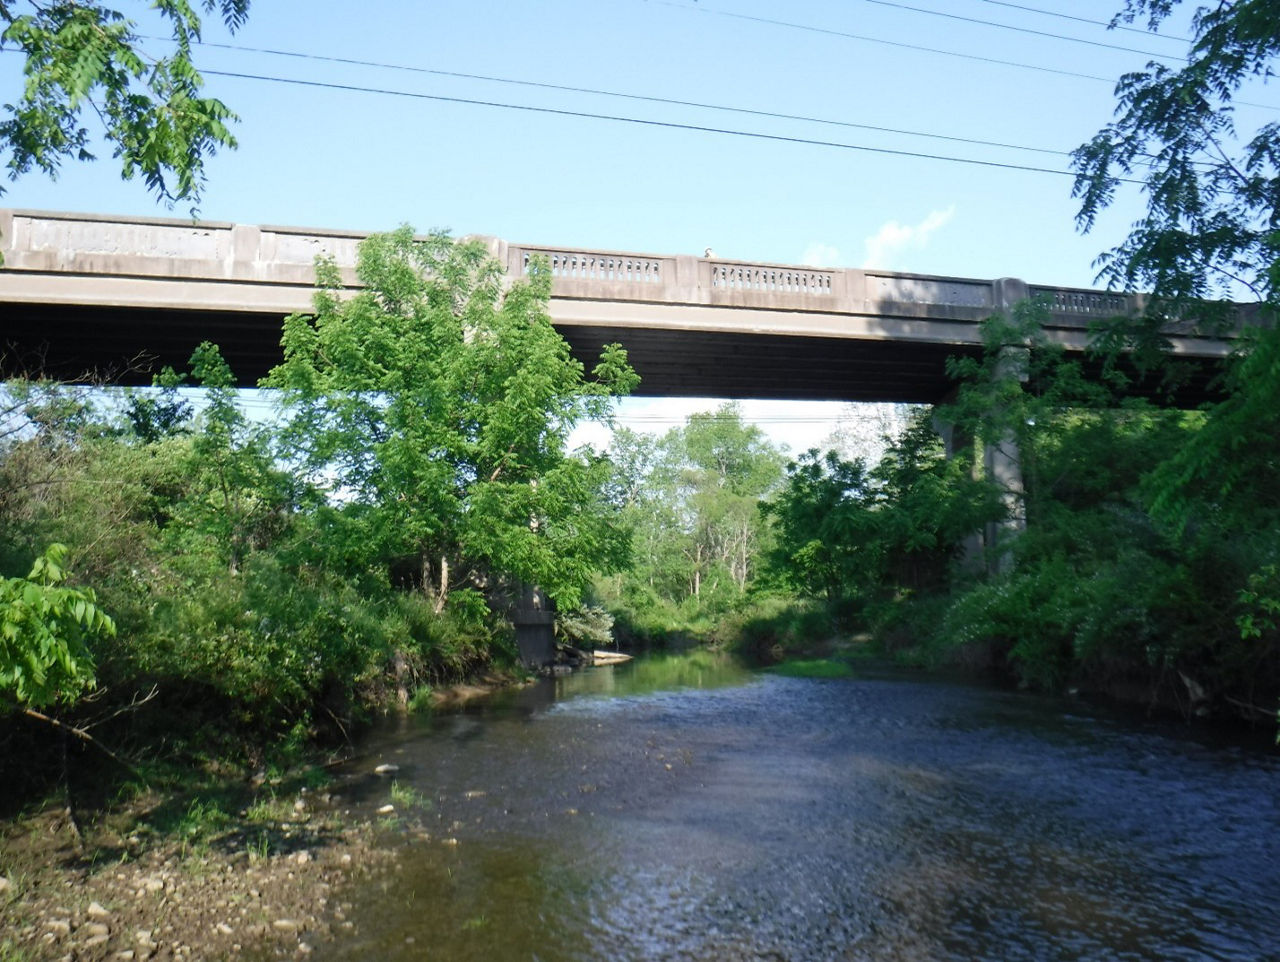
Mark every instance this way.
x=827 y=31
x=749 y=111
x=830 y=32
x=1097 y=23
x=1016 y=29
x=638 y=121
x=622 y=95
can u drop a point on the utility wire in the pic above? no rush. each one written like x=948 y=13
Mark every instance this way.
x=1097 y=23
x=644 y=98
x=830 y=32
x=622 y=95
x=827 y=31
x=1016 y=29
x=665 y=124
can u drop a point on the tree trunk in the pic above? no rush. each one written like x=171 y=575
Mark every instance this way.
x=443 y=594
x=435 y=585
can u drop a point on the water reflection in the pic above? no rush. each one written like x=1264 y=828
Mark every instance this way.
x=683 y=808
x=662 y=671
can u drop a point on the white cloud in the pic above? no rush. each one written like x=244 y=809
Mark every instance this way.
x=818 y=254
x=893 y=238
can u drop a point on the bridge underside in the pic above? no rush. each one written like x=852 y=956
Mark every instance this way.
x=128 y=345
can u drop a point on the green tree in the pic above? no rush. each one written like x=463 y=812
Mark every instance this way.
x=730 y=468
x=1211 y=229
x=846 y=533
x=1212 y=208
x=692 y=498
x=87 y=58
x=437 y=405
x=43 y=626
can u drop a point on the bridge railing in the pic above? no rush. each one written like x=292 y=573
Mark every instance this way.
x=277 y=263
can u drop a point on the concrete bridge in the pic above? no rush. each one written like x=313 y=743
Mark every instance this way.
x=81 y=291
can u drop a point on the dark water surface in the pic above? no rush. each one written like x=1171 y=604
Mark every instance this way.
x=683 y=808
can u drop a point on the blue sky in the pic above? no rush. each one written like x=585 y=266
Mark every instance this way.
x=323 y=157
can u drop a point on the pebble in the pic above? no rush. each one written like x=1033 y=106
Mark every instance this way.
x=285 y=925
x=5 y=884
x=302 y=858
x=95 y=940
x=95 y=928
x=304 y=948
x=124 y=955
x=225 y=929
x=59 y=926
x=153 y=885
x=386 y=810
x=386 y=769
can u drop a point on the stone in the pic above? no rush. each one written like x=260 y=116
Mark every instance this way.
x=225 y=929
x=5 y=884
x=59 y=927
x=285 y=925
x=95 y=928
x=95 y=941
x=387 y=810
x=386 y=769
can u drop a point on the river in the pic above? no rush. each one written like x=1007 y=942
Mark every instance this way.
x=683 y=807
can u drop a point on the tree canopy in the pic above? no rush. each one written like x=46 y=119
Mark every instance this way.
x=438 y=407
x=1211 y=228
x=89 y=58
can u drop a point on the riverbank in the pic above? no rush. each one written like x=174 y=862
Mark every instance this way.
x=208 y=869
x=266 y=880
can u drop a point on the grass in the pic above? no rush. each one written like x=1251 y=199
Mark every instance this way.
x=814 y=668
x=258 y=847
x=408 y=797
x=268 y=808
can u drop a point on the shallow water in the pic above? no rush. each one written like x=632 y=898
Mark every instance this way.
x=685 y=808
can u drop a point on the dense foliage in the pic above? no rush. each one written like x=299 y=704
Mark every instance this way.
x=266 y=576
x=692 y=499
x=86 y=58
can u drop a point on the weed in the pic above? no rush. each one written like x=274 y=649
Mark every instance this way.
x=420 y=701
x=814 y=668
x=259 y=847
x=408 y=797
x=203 y=820
x=268 y=808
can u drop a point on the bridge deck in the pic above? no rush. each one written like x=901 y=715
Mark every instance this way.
x=84 y=291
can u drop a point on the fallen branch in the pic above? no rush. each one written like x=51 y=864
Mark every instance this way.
x=84 y=736
x=134 y=704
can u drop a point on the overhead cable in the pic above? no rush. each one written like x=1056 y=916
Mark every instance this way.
x=827 y=31
x=1016 y=29
x=639 y=121
x=623 y=95
x=1110 y=25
